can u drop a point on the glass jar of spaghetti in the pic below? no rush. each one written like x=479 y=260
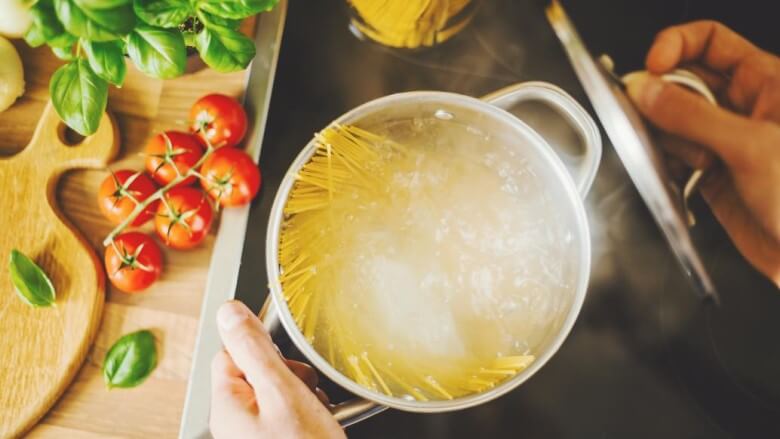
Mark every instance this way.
x=410 y=24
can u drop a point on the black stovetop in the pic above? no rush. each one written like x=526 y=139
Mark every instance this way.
x=646 y=358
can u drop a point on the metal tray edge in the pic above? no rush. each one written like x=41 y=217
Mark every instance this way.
x=226 y=256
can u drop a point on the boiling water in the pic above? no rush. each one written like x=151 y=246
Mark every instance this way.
x=466 y=255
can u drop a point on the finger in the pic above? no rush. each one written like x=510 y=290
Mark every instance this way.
x=757 y=246
x=223 y=368
x=693 y=155
x=251 y=348
x=228 y=385
x=767 y=105
x=716 y=82
x=678 y=170
x=233 y=403
x=749 y=80
x=683 y=113
x=709 y=42
x=322 y=396
x=306 y=373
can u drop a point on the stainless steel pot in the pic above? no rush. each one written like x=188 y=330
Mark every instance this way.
x=490 y=114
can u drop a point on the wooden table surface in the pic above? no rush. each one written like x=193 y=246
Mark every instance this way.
x=171 y=307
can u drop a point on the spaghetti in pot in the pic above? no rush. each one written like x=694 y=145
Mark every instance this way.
x=350 y=168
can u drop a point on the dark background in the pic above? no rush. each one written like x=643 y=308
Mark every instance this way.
x=646 y=358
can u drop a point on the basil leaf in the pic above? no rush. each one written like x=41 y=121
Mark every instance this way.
x=106 y=59
x=119 y=20
x=157 y=52
x=130 y=360
x=102 y=4
x=31 y=283
x=63 y=40
x=45 y=20
x=163 y=13
x=211 y=20
x=64 y=53
x=79 y=96
x=236 y=9
x=34 y=36
x=95 y=24
x=224 y=49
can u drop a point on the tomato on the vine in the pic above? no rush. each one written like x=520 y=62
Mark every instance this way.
x=121 y=191
x=230 y=176
x=171 y=154
x=184 y=217
x=218 y=119
x=133 y=261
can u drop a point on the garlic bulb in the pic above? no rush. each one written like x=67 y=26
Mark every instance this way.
x=15 y=18
x=11 y=74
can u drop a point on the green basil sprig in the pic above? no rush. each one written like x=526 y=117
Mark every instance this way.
x=107 y=60
x=211 y=21
x=96 y=36
x=62 y=46
x=163 y=13
x=103 y=4
x=95 y=24
x=224 y=49
x=79 y=95
x=45 y=25
x=130 y=360
x=157 y=52
x=31 y=283
x=237 y=9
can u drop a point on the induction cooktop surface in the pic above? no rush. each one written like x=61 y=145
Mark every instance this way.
x=646 y=358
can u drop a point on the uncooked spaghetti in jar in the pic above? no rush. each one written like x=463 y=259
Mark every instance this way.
x=410 y=24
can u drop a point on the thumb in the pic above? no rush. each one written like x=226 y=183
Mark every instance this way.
x=252 y=350
x=684 y=113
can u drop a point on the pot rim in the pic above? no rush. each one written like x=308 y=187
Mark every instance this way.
x=288 y=322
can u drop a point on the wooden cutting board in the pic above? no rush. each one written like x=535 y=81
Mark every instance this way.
x=51 y=342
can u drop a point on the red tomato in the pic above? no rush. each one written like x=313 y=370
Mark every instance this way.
x=121 y=191
x=230 y=176
x=171 y=151
x=133 y=261
x=184 y=218
x=219 y=120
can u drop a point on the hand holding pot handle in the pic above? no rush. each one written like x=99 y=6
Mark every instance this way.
x=256 y=392
x=346 y=413
x=506 y=98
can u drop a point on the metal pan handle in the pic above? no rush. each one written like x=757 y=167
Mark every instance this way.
x=346 y=413
x=567 y=107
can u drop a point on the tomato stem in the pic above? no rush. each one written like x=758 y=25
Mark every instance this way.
x=159 y=194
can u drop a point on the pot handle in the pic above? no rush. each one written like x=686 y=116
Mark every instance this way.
x=567 y=107
x=346 y=413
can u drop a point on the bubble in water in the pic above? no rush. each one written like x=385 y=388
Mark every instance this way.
x=474 y=130
x=444 y=115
